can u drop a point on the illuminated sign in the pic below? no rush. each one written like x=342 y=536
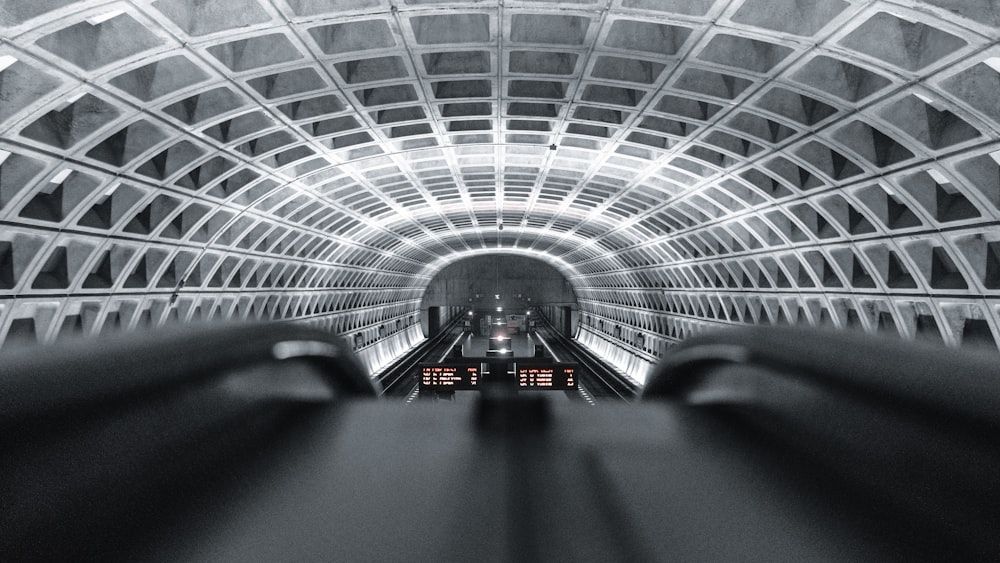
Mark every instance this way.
x=449 y=377
x=559 y=377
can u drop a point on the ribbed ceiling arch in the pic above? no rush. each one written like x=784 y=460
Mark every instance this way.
x=688 y=164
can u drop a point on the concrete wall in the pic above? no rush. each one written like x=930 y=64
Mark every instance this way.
x=521 y=282
x=446 y=316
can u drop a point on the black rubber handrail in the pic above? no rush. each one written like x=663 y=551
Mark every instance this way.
x=95 y=430
x=915 y=426
x=39 y=380
x=960 y=382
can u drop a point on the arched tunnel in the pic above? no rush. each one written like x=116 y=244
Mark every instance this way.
x=638 y=173
x=687 y=165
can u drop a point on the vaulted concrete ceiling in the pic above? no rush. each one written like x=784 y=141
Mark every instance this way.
x=688 y=164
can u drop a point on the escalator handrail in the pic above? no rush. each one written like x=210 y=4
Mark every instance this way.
x=915 y=425
x=43 y=379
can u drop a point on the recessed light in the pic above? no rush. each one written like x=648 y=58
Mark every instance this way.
x=6 y=61
x=61 y=176
x=72 y=99
x=101 y=18
x=937 y=176
x=929 y=101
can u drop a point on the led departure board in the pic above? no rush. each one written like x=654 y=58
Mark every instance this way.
x=449 y=377
x=558 y=377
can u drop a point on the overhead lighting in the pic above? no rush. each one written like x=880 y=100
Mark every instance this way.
x=101 y=18
x=75 y=97
x=61 y=176
x=4 y=155
x=6 y=61
x=929 y=101
x=937 y=176
x=499 y=309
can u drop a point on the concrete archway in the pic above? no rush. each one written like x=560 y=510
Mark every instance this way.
x=690 y=165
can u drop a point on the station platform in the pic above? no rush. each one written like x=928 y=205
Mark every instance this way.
x=520 y=345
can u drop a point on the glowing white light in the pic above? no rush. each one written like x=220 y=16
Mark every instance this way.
x=499 y=309
x=928 y=100
x=106 y=16
x=61 y=176
x=4 y=155
x=470 y=313
x=937 y=176
x=6 y=61
x=70 y=100
x=303 y=348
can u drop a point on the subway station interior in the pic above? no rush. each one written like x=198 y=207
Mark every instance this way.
x=764 y=233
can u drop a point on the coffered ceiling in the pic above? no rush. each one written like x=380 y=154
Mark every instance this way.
x=687 y=164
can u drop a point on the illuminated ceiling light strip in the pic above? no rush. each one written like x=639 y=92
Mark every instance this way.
x=106 y=16
x=72 y=99
x=934 y=103
x=6 y=61
x=4 y=155
x=61 y=176
x=937 y=176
